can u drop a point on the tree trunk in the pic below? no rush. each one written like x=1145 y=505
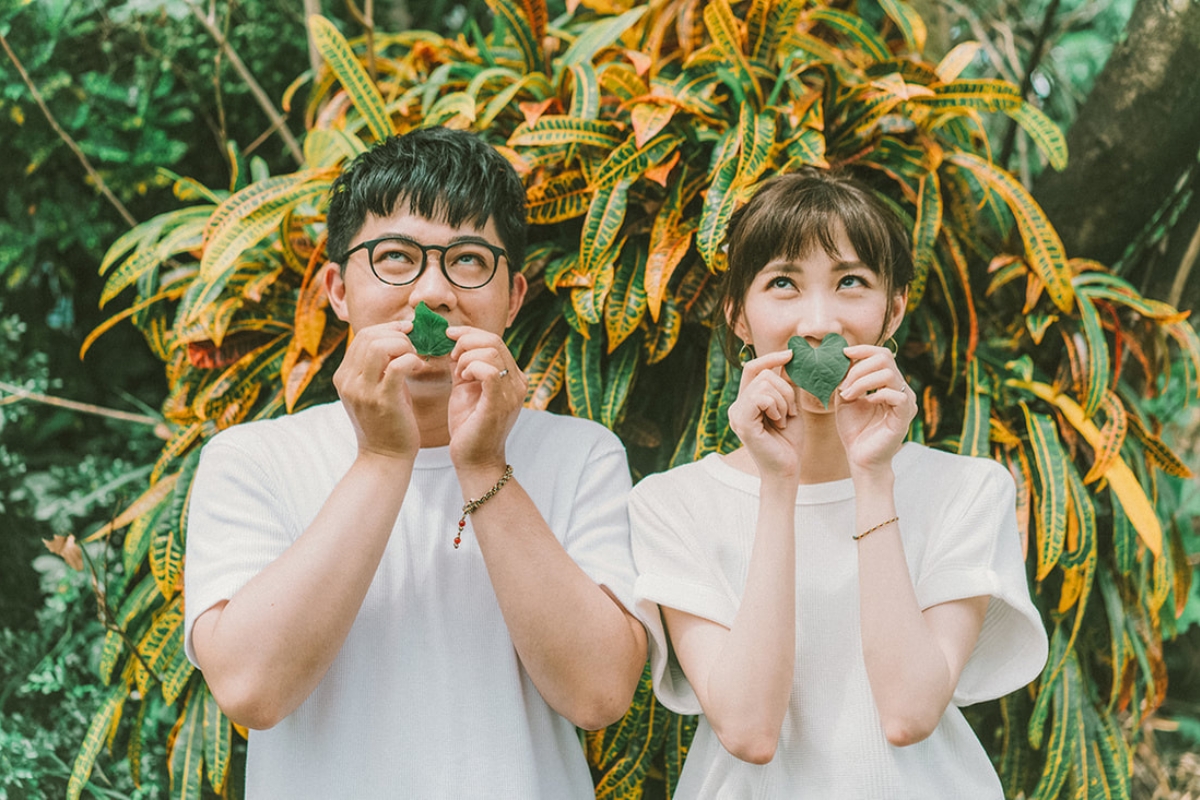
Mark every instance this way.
x=1134 y=137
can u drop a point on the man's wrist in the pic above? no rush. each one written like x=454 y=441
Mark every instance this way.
x=477 y=478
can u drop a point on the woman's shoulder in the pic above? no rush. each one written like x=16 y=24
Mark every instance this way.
x=683 y=478
x=931 y=467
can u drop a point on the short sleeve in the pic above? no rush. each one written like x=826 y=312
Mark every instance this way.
x=673 y=571
x=234 y=529
x=979 y=553
x=597 y=537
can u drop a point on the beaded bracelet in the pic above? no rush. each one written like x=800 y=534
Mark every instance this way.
x=473 y=505
x=883 y=524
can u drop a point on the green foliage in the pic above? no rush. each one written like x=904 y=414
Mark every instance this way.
x=818 y=370
x=638 y=131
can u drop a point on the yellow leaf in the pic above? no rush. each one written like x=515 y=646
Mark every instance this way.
x=1118 y=474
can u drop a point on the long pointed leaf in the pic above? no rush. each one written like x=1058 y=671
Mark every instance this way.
x=362 y=92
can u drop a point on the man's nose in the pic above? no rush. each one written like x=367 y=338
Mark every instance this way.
x=432 y=286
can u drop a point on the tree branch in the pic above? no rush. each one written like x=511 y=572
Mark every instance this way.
x=66 y=137
x=17 y=393
x=1035 y=58
x=243 y=72
x=312 y=7
x=1184 y=271
x=366 y=18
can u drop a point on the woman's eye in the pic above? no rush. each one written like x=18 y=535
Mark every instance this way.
x=780 y=282
x=851 y=282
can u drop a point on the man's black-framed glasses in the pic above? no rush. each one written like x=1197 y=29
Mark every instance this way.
x=399 y=261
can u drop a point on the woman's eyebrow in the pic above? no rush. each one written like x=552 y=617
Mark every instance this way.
x=848 y=266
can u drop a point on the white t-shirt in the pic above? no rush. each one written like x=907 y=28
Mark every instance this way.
x=427 y=697
x=693 y=528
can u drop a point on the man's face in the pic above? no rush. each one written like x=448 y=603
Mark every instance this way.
x=361 y=299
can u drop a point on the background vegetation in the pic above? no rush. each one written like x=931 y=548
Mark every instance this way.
x=142 y=86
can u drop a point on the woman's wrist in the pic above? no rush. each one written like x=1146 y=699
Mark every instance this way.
x=873 y=482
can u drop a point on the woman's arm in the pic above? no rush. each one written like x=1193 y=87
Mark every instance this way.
x=913 y=657
x=743 y=675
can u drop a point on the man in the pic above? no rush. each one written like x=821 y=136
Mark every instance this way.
x=330 y=605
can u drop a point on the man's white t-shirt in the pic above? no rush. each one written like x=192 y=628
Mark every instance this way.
x=427 y=697
x=693 y=529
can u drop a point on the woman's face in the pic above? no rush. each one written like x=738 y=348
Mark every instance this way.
x=816 y=295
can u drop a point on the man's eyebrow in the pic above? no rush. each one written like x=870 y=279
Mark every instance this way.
x=466 y=238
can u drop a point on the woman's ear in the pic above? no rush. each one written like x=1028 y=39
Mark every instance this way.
x=738 y=326
x=899 y=305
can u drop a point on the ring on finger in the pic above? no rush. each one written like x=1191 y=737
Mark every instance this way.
x=503 y=372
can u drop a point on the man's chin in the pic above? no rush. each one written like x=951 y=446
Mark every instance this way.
x=437 y=376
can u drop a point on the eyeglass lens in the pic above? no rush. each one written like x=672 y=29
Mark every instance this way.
x=399 y=261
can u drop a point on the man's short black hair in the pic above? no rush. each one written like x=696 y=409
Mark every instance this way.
x=446 y=175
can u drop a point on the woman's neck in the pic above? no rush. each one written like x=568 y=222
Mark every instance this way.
x=822 y=456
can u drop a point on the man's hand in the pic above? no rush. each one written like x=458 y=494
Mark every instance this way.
x=371 y=382
x=488 y=392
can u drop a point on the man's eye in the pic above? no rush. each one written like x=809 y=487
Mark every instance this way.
x=393 y=254
x=469 y=259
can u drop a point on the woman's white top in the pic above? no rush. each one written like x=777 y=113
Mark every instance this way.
x=693 y=528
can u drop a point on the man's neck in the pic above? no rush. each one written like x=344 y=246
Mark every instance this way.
x=433 y=421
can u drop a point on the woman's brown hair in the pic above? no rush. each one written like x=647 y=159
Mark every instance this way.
x=791 y=214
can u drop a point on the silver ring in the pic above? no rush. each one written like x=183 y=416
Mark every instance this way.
x=503 y=372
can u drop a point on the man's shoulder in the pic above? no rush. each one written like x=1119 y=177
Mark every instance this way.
x=558 y=430
x=313 y=426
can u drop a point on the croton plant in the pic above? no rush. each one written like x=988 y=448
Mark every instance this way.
x=638 y=129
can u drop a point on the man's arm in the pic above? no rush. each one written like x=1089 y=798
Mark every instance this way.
x=582 y=649
x=264 y=650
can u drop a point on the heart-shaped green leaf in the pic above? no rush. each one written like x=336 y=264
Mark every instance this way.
x=818 y=370
x=429 y=332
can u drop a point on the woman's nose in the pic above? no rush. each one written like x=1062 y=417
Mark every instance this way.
x=817 y=318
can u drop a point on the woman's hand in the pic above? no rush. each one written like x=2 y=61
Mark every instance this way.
x=762 y=413
x=874 y=407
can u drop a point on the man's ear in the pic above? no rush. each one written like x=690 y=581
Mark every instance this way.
x=899 y=305
x=335 y=289
x=516 y=296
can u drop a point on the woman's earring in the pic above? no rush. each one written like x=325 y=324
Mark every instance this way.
x=745 y=353
x=892 y=346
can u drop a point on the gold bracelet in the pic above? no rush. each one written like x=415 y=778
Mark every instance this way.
x=883 y=524
x=473 y=505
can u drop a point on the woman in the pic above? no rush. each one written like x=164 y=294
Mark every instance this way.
x=828 y=595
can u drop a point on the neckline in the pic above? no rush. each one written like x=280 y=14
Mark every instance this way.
x=806 y=493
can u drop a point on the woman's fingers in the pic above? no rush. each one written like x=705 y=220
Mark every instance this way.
x=872 y=369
